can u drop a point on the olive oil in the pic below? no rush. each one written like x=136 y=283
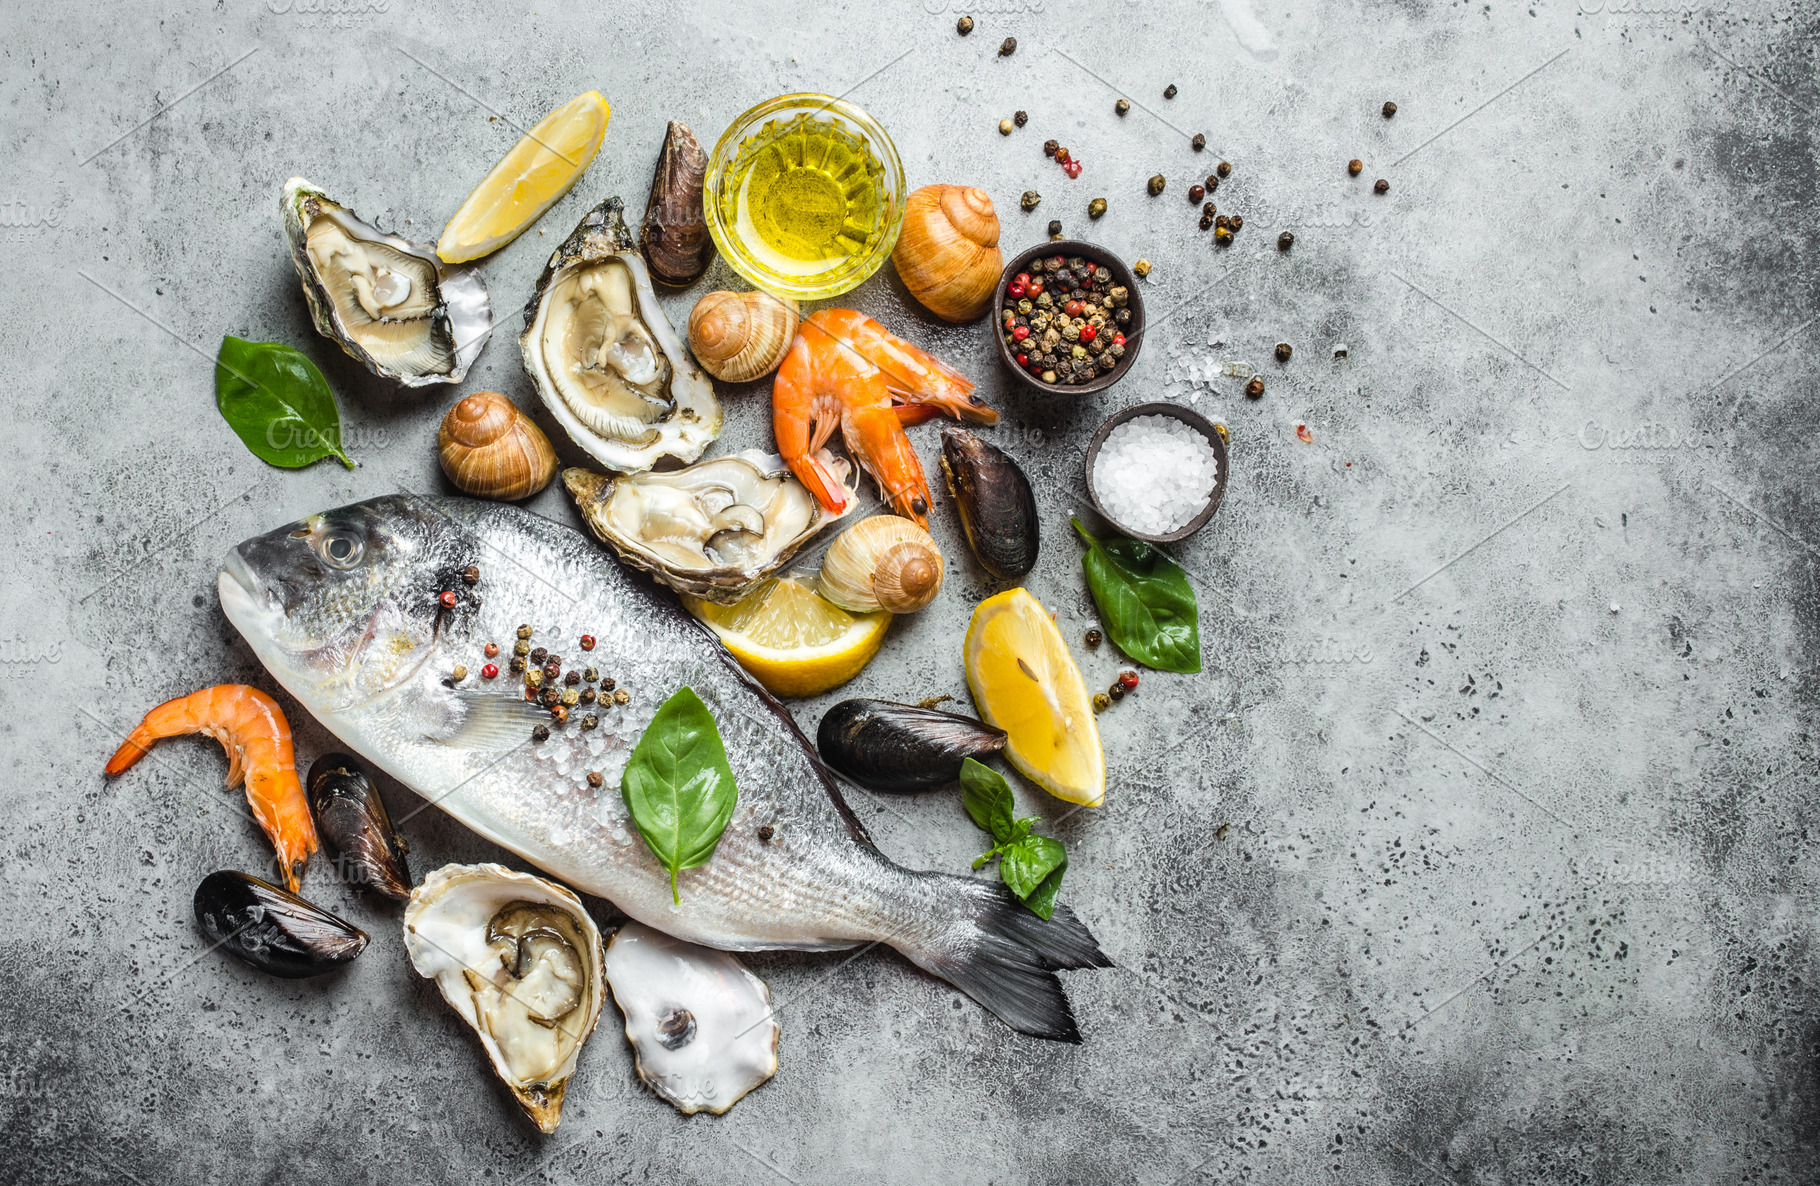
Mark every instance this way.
x=805 y=195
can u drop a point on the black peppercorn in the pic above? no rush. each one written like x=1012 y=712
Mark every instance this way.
x=1055 y=226
x=1030 y=199
x=1255 y=389
x=1224 y=169
x=539 y=654
x=1390 y=109
x=1115 y=692
x=571 y=679
x=606 y=685
x=1206 y=220
x=471 y=575
x=1355 y=166
x=1199 y=142
x=1007 y=47
x=1156 y=185
x=765 y=832
x=1285 y=241
x=540 y=733
x=1238 y=220
x=964 y=26
x=1284 y=350
x=1208 y=208
x=1169 y=91
x=1196 y=193
x=1094 y=638
x=1380 y=186
x=1020 y=119
x=587 y=696
x=1224 y=222
x=1122 y=106
x=1213 y=182
x=594 y=778
x=1049 y=147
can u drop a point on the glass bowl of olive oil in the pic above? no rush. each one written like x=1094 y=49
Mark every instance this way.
x=805 y=196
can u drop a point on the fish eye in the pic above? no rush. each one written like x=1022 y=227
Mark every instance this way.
x=341 y=549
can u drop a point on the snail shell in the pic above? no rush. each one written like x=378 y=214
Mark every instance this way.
x=885 y=562
x=948 y=251
x=490 y=449
x=741 y=336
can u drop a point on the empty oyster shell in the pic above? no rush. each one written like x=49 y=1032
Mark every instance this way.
x=392 y=304
x=711 y=530
x=700 y=1023
x=520 y=960
x=674 y=235
x=606 y=362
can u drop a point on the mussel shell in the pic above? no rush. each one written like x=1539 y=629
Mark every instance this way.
x=272 y=929
x=900 y=747
x=996 y=505
x=674 y=236
x=352 y=820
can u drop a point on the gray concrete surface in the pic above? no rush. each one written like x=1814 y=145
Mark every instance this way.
x=1483 y=851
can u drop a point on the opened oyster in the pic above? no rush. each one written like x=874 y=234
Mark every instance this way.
x=700 y=1023
x=712 y=529
x=391 y=303
x=604 y=359
x=521 y=961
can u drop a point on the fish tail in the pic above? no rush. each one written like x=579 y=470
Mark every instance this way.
x=1003 y=956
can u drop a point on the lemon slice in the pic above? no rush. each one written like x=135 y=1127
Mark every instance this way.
x=1025 y=682
x=528 y=180
x=792 y=639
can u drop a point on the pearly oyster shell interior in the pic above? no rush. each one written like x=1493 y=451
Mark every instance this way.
x=700 y=1024
x=392 y=304
x=520 y=960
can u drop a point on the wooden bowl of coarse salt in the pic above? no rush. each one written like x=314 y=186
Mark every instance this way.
x=1157 y=472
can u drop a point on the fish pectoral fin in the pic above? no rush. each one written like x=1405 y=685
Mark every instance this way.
x=489 y=721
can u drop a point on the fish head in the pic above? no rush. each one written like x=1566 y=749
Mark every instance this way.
x=346 y=605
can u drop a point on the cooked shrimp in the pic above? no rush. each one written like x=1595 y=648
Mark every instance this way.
x=844 y=369
x=251 y=728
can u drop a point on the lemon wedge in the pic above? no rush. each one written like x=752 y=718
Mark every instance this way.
x=792 y=639
x=528 y=180
x=1025 y=682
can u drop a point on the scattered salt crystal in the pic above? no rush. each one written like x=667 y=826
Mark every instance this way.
x=1153 y=474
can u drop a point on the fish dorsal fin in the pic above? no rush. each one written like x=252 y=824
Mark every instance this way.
x=490 y=721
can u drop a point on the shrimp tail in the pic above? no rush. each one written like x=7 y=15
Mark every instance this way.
x=820 y=481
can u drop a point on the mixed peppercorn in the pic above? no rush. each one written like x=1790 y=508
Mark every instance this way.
x=1127 y=682
x=1064 y=319
x=547 y=684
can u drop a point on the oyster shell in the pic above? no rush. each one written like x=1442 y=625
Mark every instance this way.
x=604 y=359
x=520 y=960
x=700 y=1023
x=712 y=529
x=392 y=304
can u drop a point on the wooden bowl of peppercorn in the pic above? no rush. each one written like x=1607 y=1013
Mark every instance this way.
x=1037 y=265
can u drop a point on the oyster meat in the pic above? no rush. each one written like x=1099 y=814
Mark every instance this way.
x=392 y=304
x=604 y=359
x=712 y=529
x=520 y=960
x=700 y=1024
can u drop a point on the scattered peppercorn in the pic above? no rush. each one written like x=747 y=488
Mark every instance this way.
x=521 y=648
x=765 y=833
x=1206 y=220
x=1237 y=221
x=571 y=697
x=524 y=631
x=1198 y=143
x=1096 y=207
x=1156 y=185
x=460 y=673
x=1225 y=436
x=1055 y=226
x=594 y=778
x=1223 y=169
x=1196 y=193
x=1094 y=638
x=1380 y=186
x=1004 y=127
x=1050 y=147
x=540 y=733
x=518 y=664
x=964 y=26
x=587 y=642
x=606 y=685
x=539 y=654
x=471 y=575
x=1141 y=267
x=590 y=722
x=1116 y=692
x=531 y=694
x=591 y=674
x=1224 y=222
x=1355 y=166
x=1284 y=350
x=1213 y=182
x=1390 y=109
x=1101 y=702
x=1209 y=209
x=571 y=679
x=490 y=671
x=550 y=697
x=1030 y=199
x=1255 y=389
x=534 y=678
x=1285 y=241
x=447 y=599
x=1122 y=106
x=1020 y=118
x=1128 y=680
x=1222 y=235
x=1007 y=47
x=622 y=697
x=1169 y=91
x=491 y=649
x=559 y=714
x=552 y=670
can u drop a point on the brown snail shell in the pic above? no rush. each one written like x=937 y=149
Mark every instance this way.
x=490 y=449
x=885 y=562
x=741 y=336
x=948 y=251
x=674 y=236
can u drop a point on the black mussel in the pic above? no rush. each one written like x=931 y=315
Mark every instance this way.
x=997 y=508
x=353 y=821
x=272 y=929
x=674 y=236
x=900 y=747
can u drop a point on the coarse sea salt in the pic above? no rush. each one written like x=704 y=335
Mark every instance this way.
x=1154 y=474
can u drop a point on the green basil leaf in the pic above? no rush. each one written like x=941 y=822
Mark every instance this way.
x=678 y=785
x=987 y=797
x=1029 y=865
x=1145 y=601
x=278 y=403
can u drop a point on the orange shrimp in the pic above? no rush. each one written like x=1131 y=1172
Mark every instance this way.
x=251 y=728
x=844 y=369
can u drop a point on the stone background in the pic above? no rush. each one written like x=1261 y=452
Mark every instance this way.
x=1481 y=851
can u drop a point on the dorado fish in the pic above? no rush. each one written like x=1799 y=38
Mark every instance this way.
x=363 y=613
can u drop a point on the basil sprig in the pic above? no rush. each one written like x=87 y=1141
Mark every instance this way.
x=1032 y=866
x=278 y=403
x=1145 y=601
x=678 y=785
